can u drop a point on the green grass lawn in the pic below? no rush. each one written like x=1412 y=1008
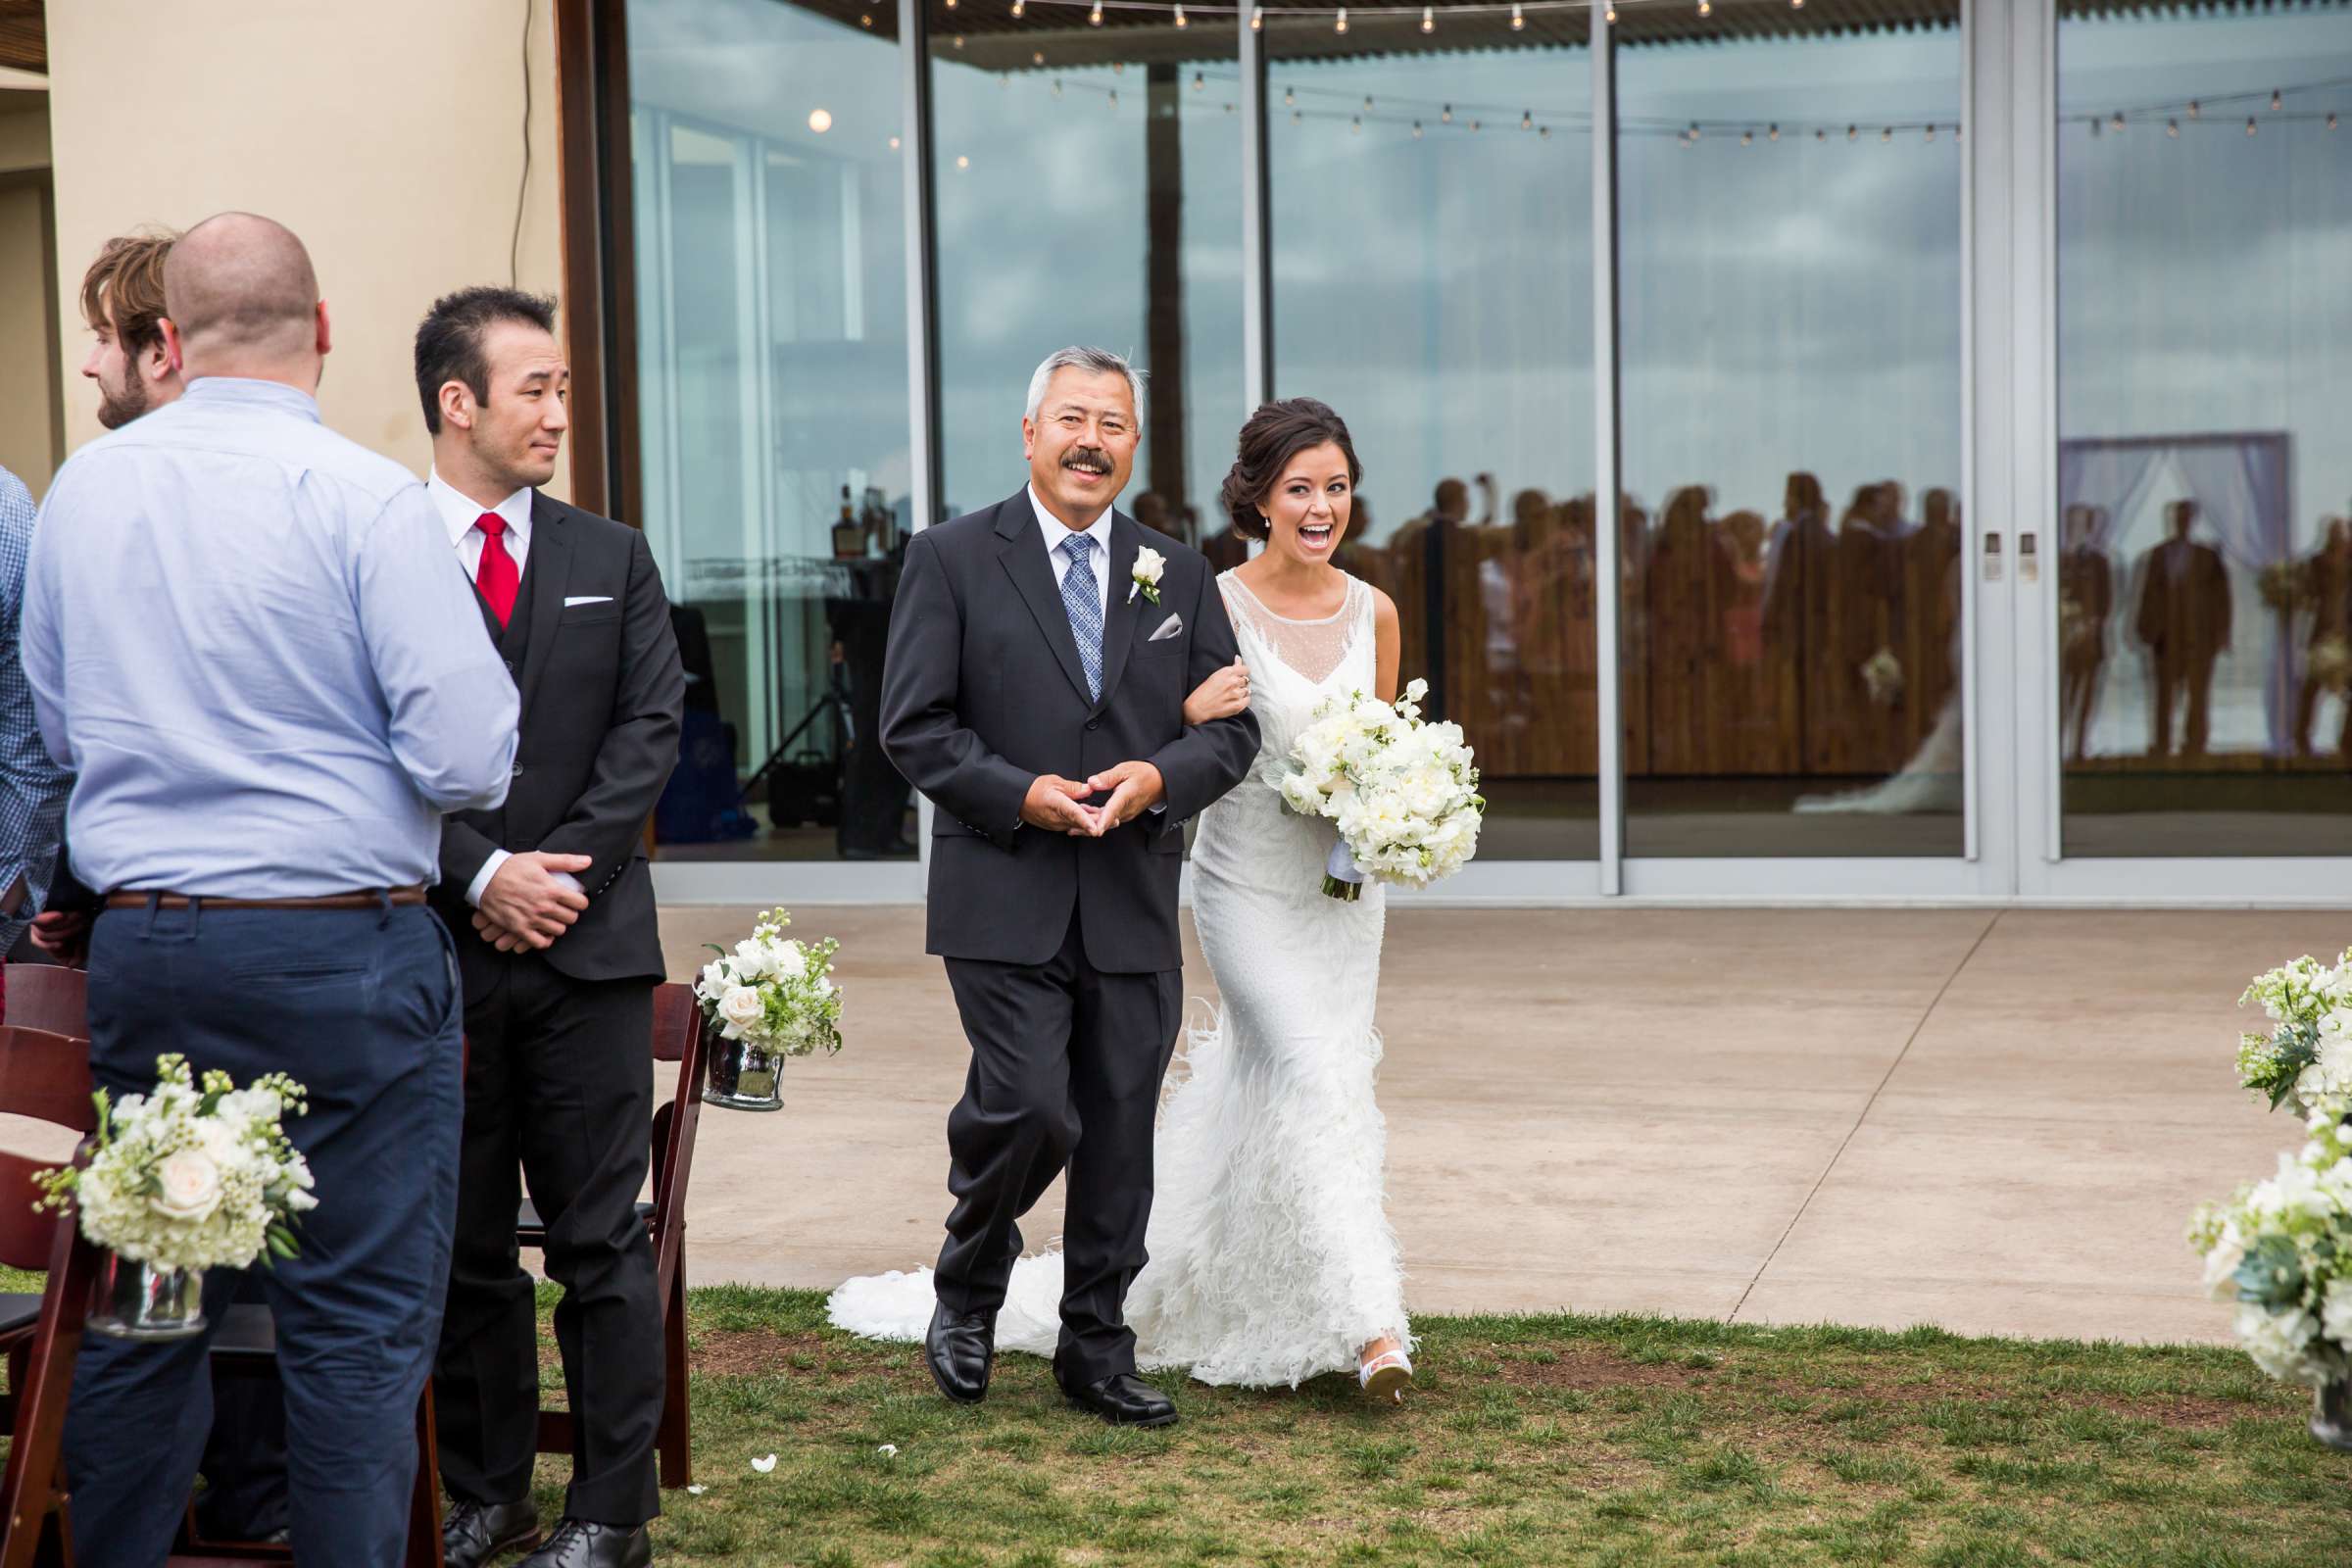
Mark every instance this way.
x=1528 y=1441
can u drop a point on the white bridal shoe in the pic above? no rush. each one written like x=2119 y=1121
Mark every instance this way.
x=1387 y=1375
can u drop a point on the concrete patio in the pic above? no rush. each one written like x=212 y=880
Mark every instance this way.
x=1996 y=1121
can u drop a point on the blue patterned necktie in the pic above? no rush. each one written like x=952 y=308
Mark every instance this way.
x=1084 y=603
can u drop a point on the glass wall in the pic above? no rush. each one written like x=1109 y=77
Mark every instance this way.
x=1789 y=261
x=1430 y=234
x=1087 y=191
x=2204 y=474
x=772 y=410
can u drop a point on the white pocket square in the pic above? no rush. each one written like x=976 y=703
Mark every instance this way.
x=587 y=599
x=1167 y=629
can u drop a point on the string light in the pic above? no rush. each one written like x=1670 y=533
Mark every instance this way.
x=1356 y=124
x=1199 y=81
x=1518 y=17
x=1886 y=136
x=1544 y=132
x=1289 y=97
x=1340 y=24
x=865 y=19
x=1747 y=139
x=1094 y=17
x=1416 y=130
x=1772 y=133
x=2195 y=110
x=1820 y=135
x=1850 y=133
x=1114 y=97
x=1429 y=19
x=1021 y=8
x=2276 y=103
x=2172 y=128
x=1037 y=56
x=2249 y=124
x=1367 y=103
x=2118 y=122
x=1609 y=16
x=1446 y=115
x=1796 y=4
x=1258 y=19
x=2330 y=122
x=951 y=4
x=963 y=162
x=1057 y=86
x=1694 y=132
x=1476 y=125
x=1931 y=133
x=958 y=40
x=1706 y=8
x=1182 y=20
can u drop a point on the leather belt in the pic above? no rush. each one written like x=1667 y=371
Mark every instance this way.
x=403 y=897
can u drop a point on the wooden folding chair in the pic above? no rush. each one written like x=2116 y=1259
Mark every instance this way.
x=46 y=1077
x=51 y=996
x=678 y=1037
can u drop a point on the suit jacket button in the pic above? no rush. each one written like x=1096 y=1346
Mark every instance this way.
x=518 y=773
x=1094 y=723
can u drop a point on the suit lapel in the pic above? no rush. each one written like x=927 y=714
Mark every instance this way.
x=1119 y=617
x=1025 y=557
x=549 y=572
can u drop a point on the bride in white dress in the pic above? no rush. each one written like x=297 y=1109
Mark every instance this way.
x=1271 y=1256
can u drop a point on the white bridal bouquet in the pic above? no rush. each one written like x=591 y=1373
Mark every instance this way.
x=773 y=991
x=196 y=1175
x=1404 y=793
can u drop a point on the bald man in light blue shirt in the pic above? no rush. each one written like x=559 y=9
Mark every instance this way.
x=248 y=640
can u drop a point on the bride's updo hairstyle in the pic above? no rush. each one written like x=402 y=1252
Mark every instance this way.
x=1275 y=434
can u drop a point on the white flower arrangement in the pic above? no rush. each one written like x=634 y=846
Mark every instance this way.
x=775 y=991
x=197 y=1175
x=1402 y=792
x=2281 y=1252
x=2306 y=1058
x=1882 y=677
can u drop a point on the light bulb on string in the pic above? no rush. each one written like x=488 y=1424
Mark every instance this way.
x=1544 y=132
x=894 y=144
x=1796 y=4
x=865 y=19
x=951 y=4
x=2276 y=103
x=1258 y=19
x=1037 y=56
x=1527 y=120
x=2330 y=122
x=1820 y=135
x=2116 y=122
x=963 y=162
x=1518 y=17
x=1367 y=103
x=1446 y=115
x=1693 y=133
x=1886 y=136
x=1289 y=97
x=1199 y=81
x=1340 y=23
x=1182 y=20
x=1956 y=129
x=1772 y=133
x=1057 y=86
x=1931 y=133
x=1706 y=8
x=1021 y=8
x=2195 y=110
x=1416 y=130
x=1429 y=19
x=1851 y=132
x=2249 y=124
x=958 y=40
x=2172 y=128
x=1609 y=16
x=1355 y=124
x=1114 y=97
x=1118 y=67
x=1747 y=139
x=1476 y=125
x=1094 y=17
x=1298 y=119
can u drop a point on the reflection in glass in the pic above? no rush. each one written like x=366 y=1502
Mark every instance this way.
x=1087 y=190
x=1431 y=233
x=2204 y=365
x=770 y=274
x=1788 y=275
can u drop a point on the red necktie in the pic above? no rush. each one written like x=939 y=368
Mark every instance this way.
x=496 y=576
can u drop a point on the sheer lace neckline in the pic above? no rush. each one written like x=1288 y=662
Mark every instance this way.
x=1347 y=600
x=1314 y=650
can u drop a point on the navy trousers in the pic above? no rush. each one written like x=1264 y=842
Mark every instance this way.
x=362 y=1008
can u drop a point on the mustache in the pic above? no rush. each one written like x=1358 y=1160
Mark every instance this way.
x=1093 y=460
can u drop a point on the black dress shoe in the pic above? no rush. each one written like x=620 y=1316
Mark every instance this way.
x=474 y=1533
x=578 y=1544
x=960 y=1350
x=1123 y=1399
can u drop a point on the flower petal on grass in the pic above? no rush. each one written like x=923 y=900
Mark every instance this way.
x=763 y=1466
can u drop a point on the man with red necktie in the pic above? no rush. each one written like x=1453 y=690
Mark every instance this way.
x=558 y=950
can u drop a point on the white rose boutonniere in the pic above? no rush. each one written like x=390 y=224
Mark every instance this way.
x=1149 y=565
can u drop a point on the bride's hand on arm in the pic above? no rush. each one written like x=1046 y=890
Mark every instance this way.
x=1221 y=696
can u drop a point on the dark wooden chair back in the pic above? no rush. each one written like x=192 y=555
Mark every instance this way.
x=47 y=1077
x=677 y=1036
x=51 y=996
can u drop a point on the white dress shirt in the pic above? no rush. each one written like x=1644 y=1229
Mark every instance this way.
x=460 y=515
x=1056 y=531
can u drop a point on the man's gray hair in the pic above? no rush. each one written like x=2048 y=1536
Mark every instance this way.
x=1095 y=361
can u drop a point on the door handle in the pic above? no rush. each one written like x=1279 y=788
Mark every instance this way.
x=1993 y=558
x=2029 y=563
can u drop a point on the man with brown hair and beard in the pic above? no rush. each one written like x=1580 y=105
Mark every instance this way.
x=123 y=300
